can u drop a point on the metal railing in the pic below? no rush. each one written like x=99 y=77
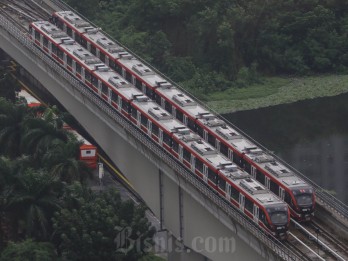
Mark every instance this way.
x=277 y=247
x=326 y=198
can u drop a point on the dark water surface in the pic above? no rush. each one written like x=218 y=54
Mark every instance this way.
x=310 y=135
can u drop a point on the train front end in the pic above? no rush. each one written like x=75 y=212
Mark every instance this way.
x=304 y=203
x=279 y=220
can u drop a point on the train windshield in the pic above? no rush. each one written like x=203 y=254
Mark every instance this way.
x=279 y=217
x=304 y=199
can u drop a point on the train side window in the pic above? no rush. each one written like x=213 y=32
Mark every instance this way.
x=149 y=92
x=37 y=35
x=176 y=148
x=78 y=68
x=191 y=124
x=118 y=68
x=60 y=24
x=69 y=31
x=167 y=139
x=212 y=175
x=222 y=184
x=134 y=113
x=144 y=120
x=179 y=115
x=236 y=159
x=114 y=97
x=105 y=88
x=262 y=216
x=93 y=50
x=249 y=205
x=287 y=197
x=199 y=165
x=138 y=84
x=157 y=98
x=155 y=129
x=128 y=77
x=83 y=42
x=260 y=177
x=102 y=57
x=77 y=38
x=94 y=81
x=125 y=105
x=211 y=139
x=54 y=49
x=234 y=193
x=187 y=155
x=87 y=76
x=274 y=187
x=224 y=149
x=60 y=54
x=112 y=64
x=199 y=130
x=45 y=42
x=168 y=106
x=69 y=60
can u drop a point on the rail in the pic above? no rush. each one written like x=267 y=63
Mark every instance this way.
x=319 y=242
x=274 y=245
x=327 y=199
x=307 y=247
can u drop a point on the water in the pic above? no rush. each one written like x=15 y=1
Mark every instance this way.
x=310 y=135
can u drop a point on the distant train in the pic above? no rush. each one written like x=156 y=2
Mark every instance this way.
x=214 y=169
x=87 y=153
x=260 y=164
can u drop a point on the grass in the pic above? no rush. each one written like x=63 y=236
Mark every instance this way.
x=277 y=90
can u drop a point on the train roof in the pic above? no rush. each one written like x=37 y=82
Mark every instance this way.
x=53 y=33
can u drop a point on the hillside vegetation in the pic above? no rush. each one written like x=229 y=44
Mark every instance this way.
x=210 y=46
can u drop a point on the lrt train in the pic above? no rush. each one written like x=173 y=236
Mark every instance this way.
x=260 y=164
x=215 y=170
x=87 y=151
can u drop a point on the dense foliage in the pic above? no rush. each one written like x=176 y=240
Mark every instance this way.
x=216 y=44
x=47 y=211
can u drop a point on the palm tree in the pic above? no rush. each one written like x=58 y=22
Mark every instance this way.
x=33 y=202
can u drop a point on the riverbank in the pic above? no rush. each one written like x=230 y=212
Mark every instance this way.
x=277 y=90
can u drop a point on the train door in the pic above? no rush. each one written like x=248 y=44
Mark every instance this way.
x=228 y=191
x=119 y=103
x=149 y=127
x=143 y=88
x=107 y=60
x=267 y=182
x=89 y=46
x=185 y=120
x=174 y=112
x=83 y=74
x=124 y=73
x=230 y=154
x=109 y=95
x=41 y=40
x=281 y=193
x=64 y=27
x=99 y=87
x=241 y=201
x=73 y=67
x=193 y=163
x=163 y=103
x=73 y=35
x=205 y=135
x=256 y=213
x=217 y=145
x=139 y=119
x=181 y=153
x=65 y=59
x=97 y=52
x=253 y=172
x=133 y=80
x=160 y=137
x=205 y=173
x=49 y=47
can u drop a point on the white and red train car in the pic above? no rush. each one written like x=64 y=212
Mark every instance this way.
x=214 y=169
x=260 y=164
x=87 y=153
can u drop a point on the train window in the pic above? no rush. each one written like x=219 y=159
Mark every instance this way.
x=224 y=149
x=211 y=139
x=112 y=64
x=54 y=49
x=262 y=216
x=247 y=166
x=128 y=77
x=69 y=31
x=236 y=159
x=176 y=148
x=78 y=68
x=37 y=35
x=149 y=92
x=199 y=165
x=191 y=124
x=157 y=98
x=168 y=107
x=199 y=130
x=105 y=88
x=93 y=50
x=274 y=187
x=144 y=120
x=94 y=81
x=155 y=129
x=60 y=54
x=287 y=197
x=60 y=24
x=222 y=184
x=234 y=193
x=69 y=60
x=212 y=175
x=179 y=115
x=87 y=76
x=134 y=113
x=187 y=155
x=102 y=56
x=138 y=84
x=249 y=205
x=83 y=42
x=125 y=105
x=114 y=97
x=45 y=42
x=260 y=177
x=118 y=68
x=77 y=38
x=167 y=139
